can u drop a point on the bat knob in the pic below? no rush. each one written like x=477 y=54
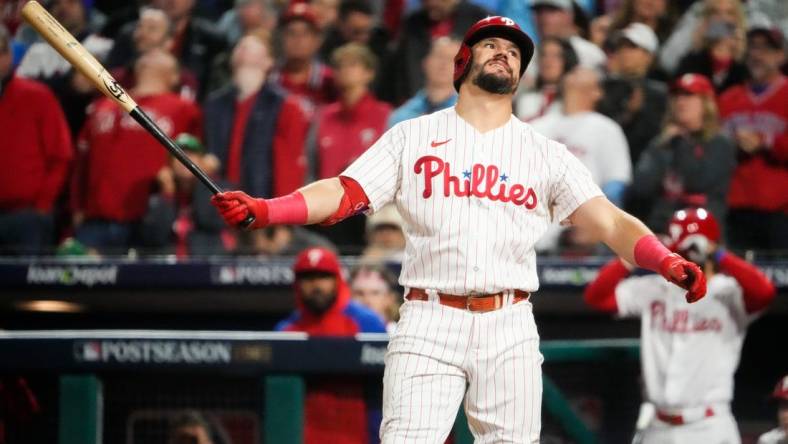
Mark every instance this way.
x=246 y=223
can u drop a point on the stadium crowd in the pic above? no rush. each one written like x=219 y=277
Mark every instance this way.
x=669 y=104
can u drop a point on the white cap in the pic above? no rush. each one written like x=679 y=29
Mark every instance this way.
x=642 y=36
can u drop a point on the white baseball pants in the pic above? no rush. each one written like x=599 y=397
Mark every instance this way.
x=718 y=429
x=439 y=355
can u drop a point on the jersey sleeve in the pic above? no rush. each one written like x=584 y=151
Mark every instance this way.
x=572 y=183
x=378 y=169
x=631 y=296
x=730 y=293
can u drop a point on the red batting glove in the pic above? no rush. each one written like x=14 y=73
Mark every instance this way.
x=685 y=274
x=235 y=206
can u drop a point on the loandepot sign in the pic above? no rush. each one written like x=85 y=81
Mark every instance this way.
x=154 y=352
x=72 y=275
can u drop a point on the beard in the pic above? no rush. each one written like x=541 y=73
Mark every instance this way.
x=317 y=302
x=494 y=83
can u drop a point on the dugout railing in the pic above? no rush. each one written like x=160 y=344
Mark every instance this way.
x=280 y=360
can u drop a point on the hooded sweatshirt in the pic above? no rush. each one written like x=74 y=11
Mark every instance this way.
x=335 y=409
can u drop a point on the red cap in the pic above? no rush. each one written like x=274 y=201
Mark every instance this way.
x=299 y=11
x=694 y=84
x=496 y=26
x=781 y=389
x=692 y=222
x=317 y=259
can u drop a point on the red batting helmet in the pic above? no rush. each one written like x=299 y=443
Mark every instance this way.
x=781 y=389
x=495 y=26
x=692 y=229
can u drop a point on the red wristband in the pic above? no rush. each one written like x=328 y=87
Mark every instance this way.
x=649 y=252
x=290 y=210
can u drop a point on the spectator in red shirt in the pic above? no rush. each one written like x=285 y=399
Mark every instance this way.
x=37 y=154
x=119 y=160
x=255 y=129
x=301 y=72
x=346 y=128
x=756 y=117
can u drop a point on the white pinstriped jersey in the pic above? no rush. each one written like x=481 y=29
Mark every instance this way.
x=474 y=204
x=689 y=352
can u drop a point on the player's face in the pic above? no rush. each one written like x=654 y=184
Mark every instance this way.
x=496 y=65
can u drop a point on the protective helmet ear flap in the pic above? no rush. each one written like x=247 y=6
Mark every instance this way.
x=462 y=64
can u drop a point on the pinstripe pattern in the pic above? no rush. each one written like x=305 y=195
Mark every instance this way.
x=495 y=365
x=474 y=205
x=461 y=245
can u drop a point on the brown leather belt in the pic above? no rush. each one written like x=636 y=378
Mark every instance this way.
x=481 y=302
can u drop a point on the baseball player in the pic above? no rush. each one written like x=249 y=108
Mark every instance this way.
x=779 y=434
x=476 y=188
x=689 y=353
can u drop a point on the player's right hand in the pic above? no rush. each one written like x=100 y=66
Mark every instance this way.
x=235 y=206
x=685 y=274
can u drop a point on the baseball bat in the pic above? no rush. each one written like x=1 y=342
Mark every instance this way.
x=76 y=54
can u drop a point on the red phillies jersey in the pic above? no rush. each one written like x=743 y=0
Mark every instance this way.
x=119 y=160
x=36 y=146
x=345 y=133
x=760 y=180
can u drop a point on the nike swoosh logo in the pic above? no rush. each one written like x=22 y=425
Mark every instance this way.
x=435 y=144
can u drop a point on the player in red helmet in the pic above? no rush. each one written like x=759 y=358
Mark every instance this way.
x=690 y=406
x=477 y=187
x=779 y=434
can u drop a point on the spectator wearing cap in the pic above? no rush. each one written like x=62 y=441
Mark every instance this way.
x=180 y=219
x=755 y=115
x=154 y=30
x=691 y=162
x=375 y=286
x=246 y=16
x=779 y=434
x=434 y=19
x=300 y=72
x=118 y=160
x=556 y=58
x=692 y=29
x=385 y=235
x=42 y=62
x=334 y=406
x=556 y=18
x=195 y=42
x=37 y=155
x=632 y=99
x=438 y=92
x=256 y=130
x=719 y=58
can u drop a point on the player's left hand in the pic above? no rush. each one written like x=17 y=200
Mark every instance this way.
x=685 y=274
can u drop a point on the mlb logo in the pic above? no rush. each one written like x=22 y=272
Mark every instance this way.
x=88 y=351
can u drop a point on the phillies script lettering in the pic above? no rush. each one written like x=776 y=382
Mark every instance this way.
x=480 y=181
x=679 y=321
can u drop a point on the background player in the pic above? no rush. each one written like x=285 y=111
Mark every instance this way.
x=779 y=434
x=477 y=188
x=689 y=353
